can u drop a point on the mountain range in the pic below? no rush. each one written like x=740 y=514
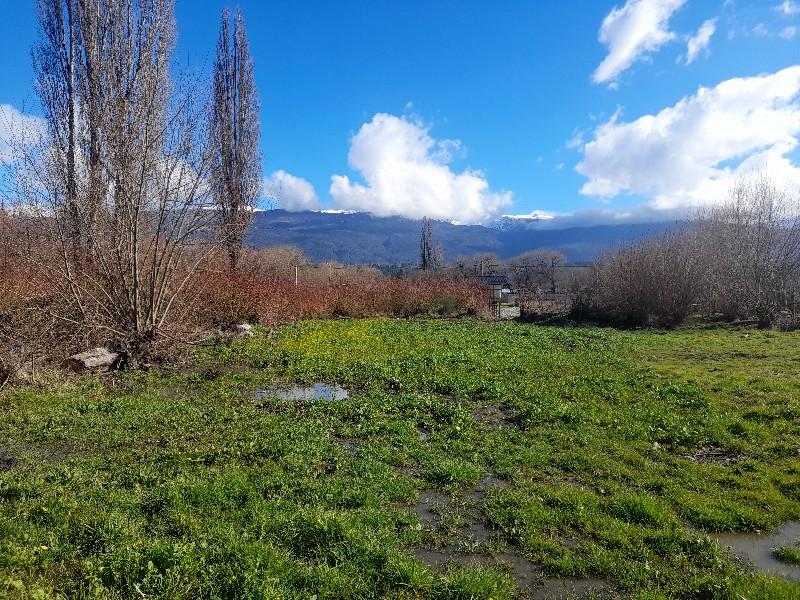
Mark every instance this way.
x=361 y=238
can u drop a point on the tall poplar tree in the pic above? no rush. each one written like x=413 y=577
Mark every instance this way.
x=427 y=252
x=235 y=131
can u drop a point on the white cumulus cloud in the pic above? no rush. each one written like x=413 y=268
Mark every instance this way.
x=694 y=151
x=700 y=41
x=760 y=30
x=632 y=32
x=789 y=8
x=17 y=130
x=406 y=172
x=788 y=33
x=290 y=192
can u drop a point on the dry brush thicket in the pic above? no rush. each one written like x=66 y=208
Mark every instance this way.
x=270 y=287
x=267 y=289
x=738 y=260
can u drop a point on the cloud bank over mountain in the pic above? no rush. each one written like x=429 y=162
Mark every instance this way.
x=290 y=192
x=693 y=152
x=407 y=173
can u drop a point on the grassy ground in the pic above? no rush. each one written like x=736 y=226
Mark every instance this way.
x=581 y=453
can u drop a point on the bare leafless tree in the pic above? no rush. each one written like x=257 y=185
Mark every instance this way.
x=235 y=129
x=650 y=282
x=55 y=62
x=475 y=265
x=125 y=167
x=438 y=255
x=739 y=258
x=536 y=268
x=752 y=249
x=427 y=251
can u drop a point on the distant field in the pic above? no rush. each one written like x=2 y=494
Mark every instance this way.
x=470 y=460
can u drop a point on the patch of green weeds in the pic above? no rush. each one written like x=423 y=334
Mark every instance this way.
x=789 y=553
x=607 y=453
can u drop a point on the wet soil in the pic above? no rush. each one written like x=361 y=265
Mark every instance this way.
x=495 y=416
x=474 y=538
x=7 y=460
x=45 y=454
x=348 y=446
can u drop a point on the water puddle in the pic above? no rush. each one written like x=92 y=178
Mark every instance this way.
x=570 y=587
x=430 y=505
x=469 y=546
x=317 y=392
x=523 y=572
x=478 y=493
x=756 y=548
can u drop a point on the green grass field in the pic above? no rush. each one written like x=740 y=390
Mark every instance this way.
x=586 y=457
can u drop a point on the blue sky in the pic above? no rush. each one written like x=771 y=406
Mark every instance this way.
x=368 y=92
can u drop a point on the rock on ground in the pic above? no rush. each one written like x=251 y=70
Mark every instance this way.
x=97 y=359
x=242 y=330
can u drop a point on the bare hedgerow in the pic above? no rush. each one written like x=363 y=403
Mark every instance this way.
x=328 y=291
x=536 y=269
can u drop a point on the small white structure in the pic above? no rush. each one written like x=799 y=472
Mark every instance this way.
x=495 y=285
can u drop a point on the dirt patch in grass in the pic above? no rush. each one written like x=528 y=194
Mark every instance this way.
x=423 y=435
x=7 y=460
x=52 y=453
x=713 y=455
x=493 y=415
x=212 y=373
x=349 y=446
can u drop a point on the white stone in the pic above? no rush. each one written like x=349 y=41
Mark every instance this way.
x=243 y=329
x=97 y=359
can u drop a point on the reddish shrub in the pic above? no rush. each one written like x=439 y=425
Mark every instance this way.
x=244 y=296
